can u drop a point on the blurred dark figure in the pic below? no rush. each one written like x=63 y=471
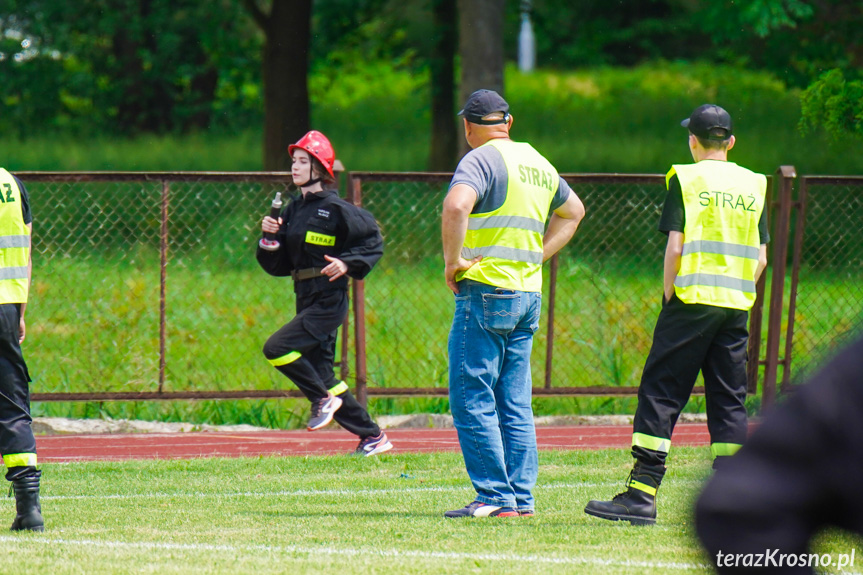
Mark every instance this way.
x=799 y=472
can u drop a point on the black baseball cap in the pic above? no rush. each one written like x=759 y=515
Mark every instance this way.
x=709 y=122
x=482 y=103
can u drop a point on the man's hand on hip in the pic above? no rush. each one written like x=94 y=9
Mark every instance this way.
x=451 y=270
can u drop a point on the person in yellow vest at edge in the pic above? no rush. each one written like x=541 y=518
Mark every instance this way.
x=494 y=242
x=717 y=235
x=17 y=443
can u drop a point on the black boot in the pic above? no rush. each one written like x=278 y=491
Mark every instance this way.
x=638 y=503
x=29 y=511
x=720 y=461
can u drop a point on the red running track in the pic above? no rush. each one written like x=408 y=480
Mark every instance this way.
x=107 y=447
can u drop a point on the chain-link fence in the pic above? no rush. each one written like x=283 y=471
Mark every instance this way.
x=146 y=284
x=602 y=294
x=826 y=284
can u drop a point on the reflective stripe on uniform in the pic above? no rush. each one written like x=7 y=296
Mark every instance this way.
x=513 y=254
x=714 y=280
x=724 y=449
x=18 y=273
x=724 y=248
x=650 y=442
x=320 y=239
x=643 y=487
x=285 y=359
x=15 y=241
x=19 y=460
x=339 y=388
x=517 y=222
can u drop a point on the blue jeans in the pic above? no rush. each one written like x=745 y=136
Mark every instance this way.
x=490 y=390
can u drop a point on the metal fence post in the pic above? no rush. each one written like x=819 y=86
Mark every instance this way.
x=344 y=364
x=785 y=180
x=163 y=282
x=756 y=320
x=796 y=262
x=552 y=293
x=359 y=301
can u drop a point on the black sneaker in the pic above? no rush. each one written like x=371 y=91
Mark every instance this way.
x=373 y=445
x=323 y=411
x=526 y=512
x=478 y=509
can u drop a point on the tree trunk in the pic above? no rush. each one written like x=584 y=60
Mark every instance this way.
x=147 y=103
x=204 y=85
x=287 y=31
x=129 y=110
x=481 y=47
x=444 y=125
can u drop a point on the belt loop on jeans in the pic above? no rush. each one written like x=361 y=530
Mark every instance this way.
x=306 y=274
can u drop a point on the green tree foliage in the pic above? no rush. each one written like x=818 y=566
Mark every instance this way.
x=833 y=103
x=759 y=17
x=350 y=31
x=124 y=66
x=131 y=66
x=800 y=39
x=33 y=88
x=580 y=33
x=796 y=40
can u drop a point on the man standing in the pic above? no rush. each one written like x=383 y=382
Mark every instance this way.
x=17 y=443
x=493 y=220
x=716 y=251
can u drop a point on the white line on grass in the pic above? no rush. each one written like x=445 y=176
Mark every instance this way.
x=325 y=492
x=352 y=552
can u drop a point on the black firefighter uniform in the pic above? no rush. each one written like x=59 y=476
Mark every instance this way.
x=704 y=325
x=313 y=226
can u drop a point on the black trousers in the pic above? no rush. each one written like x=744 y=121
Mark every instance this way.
x=798 y=473
x=310 y=341
x=689 y=338
x=16 y=434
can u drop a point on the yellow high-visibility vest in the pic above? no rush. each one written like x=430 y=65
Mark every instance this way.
x=510 y=237
x=14 y=243
x=723 y=204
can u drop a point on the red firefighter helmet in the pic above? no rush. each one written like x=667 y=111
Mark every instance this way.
x=319 y=147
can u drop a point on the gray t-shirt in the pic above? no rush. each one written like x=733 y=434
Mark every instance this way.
x=484 y=170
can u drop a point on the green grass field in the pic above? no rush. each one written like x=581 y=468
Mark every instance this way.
x=346 y=515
